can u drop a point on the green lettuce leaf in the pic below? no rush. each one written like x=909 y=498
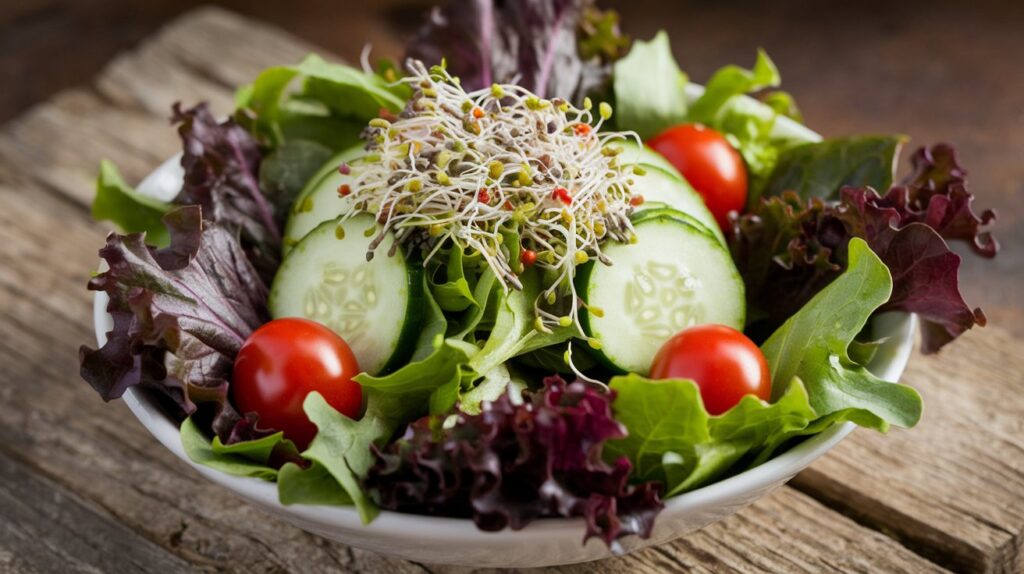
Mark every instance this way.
x=813 y=345
x=648 y=87
x=672 y=438
x=729 y=82
x=453 y=292
x=821 y=169
x=313 y=485
x=342 y=445
x=118 y=202
x=751 y=426
x=330 y=93
x=284 y=172
x=247 y=458
x=664 y=417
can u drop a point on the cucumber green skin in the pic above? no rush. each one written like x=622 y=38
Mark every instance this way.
x=581 y=281
x=329 y=166
x=314 y=183
x=666 y=211
x=414 y=317
x=646 y=156
x=674 y=174
x=584 y=272
x=415 y=310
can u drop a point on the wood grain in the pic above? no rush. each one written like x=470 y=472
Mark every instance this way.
x=45 y=528
x=952 y=489
x=53 y=425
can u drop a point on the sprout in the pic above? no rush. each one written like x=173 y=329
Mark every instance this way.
x=549 y=173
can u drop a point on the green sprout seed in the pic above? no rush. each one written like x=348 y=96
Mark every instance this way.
x=594 y=343
x=497 y=91
x=339 y=232
x=564 y=321
x=605 y=110
x=380 y=123
x=587 y=103
x=495 y=169
x=370 y=231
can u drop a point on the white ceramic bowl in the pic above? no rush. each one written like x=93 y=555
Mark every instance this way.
x=545 y=542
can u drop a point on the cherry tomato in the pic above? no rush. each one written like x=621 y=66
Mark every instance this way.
x=285 y=360
x=724 y=363
x=709 y=162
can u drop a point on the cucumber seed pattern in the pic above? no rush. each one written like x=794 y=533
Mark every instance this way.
x=342 y=300
x=662 y=299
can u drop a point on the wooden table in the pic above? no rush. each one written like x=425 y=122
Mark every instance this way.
x=83 y=487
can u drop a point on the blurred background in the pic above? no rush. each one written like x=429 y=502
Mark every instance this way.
x=934 y=70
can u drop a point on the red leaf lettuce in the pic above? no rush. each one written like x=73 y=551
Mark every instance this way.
x=788 y=248
x=514 y=463
x=555 y=48
x=181 y=314
x=222 y=163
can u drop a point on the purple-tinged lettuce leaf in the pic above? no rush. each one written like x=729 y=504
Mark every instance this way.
x=935 y=194
x=222 y=166
x=554 y=48
x=787 y=248
x=181 y=314
x=786 y=251
x=514 y=463
x=924 y=270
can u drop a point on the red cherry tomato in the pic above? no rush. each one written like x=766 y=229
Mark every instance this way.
x=709 y=162
x=724 y=363
x=285 y=360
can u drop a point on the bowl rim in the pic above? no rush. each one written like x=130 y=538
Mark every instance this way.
x=889 y=364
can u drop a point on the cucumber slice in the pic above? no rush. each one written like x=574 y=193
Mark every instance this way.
x=376 y=306
x=661 y=188
x=639 y=154
x=662 y=210
x=319 y=200
x=675 y=276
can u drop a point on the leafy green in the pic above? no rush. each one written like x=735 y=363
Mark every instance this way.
x=454 y=292
x=284 y=172
x=330 y=93
x=133 y=212
x=665 y=416
x=751 y=426
x=342 y=445
x=513 y=332
x=821 y=169
x=313 y=485
x=247 y=458
x=672 y=438
x=729 y=82
x=813 y=346
x=648 y=88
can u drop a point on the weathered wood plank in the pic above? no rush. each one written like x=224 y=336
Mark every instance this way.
x=125 y=117
x=44 y=528
x=953 y=488
x=783 y=532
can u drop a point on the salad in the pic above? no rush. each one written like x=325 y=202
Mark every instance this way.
x=530 y=272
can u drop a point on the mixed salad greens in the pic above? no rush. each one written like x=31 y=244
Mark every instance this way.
x=462 y=287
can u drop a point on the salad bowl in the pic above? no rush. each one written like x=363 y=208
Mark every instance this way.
x=544 y=542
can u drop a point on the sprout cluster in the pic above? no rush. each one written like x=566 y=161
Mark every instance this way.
x=501 y=172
